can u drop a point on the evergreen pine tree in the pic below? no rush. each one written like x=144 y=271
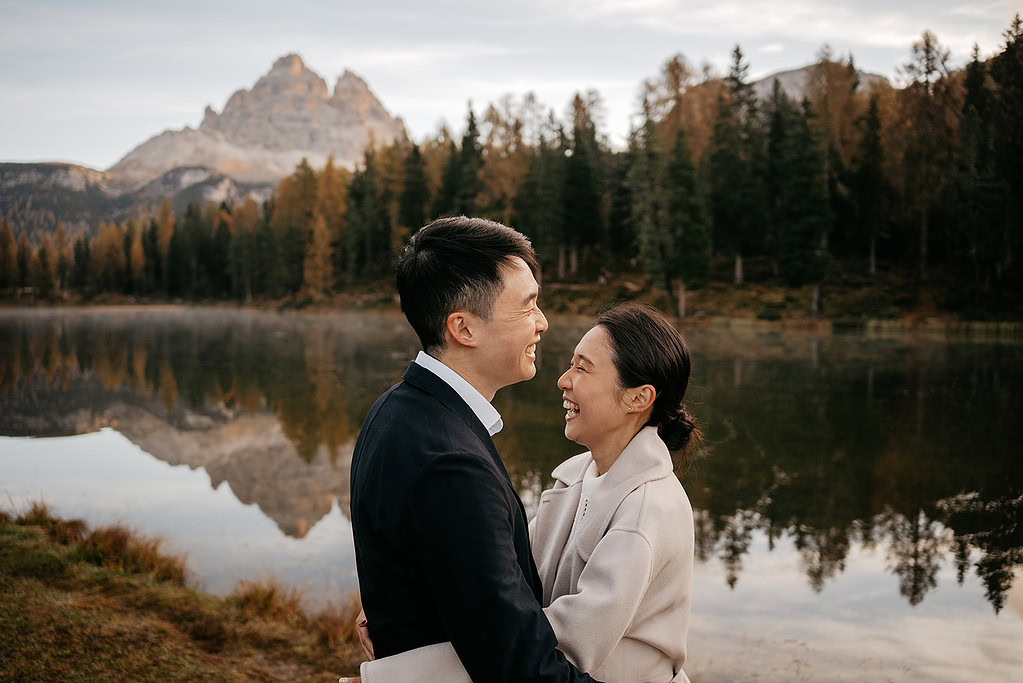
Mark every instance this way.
x=8 y=256
x=151 y=253
x=25 y=255
x=869 y=186
x=737 y=168
x=447 y=196
x=581 y=197
x=803 y=207
x=1006 y=71
x=243 y=255
x=46 y=275
x=470 y=162
x=650 y=203
x=182 y=259
x=686 y=241
x=80 y=265
x=62 y=253
x=926 y=102
x=538 y=211
x=726 y=171
x=368 y=247
x=622 y=239
x=220 y=249
x=415 y=193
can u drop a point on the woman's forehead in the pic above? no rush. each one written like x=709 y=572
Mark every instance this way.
x=594 y=344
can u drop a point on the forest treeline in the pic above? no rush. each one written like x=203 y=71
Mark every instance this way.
x=856 y=179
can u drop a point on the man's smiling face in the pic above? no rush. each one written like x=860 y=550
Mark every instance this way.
x=516 y=323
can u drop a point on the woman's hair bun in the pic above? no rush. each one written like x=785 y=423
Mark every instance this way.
x=676 y=429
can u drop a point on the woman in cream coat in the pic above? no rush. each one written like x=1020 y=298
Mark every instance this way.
x=613 y=539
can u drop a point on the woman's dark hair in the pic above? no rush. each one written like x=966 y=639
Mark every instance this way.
x=454 y=264
x=646 y=349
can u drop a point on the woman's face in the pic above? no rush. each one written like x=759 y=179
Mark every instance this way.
x=593 y=399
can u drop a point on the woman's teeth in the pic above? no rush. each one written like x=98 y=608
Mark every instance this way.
x=572 y=408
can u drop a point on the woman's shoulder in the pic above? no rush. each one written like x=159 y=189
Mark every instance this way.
x=656 y=508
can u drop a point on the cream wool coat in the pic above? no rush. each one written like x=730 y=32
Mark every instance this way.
x=625 y=613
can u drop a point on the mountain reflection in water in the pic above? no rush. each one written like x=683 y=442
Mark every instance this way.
x=838 y=444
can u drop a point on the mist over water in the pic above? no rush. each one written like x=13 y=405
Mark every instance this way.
x=859 y=501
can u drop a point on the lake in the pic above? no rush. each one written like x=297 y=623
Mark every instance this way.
x=859 y=498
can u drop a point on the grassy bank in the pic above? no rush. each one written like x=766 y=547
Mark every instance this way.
x=106 y=604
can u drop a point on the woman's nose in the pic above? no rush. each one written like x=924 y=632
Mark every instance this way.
x=563 y=382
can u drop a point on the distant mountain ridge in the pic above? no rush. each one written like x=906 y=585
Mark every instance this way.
x=259 y=137
x=262 y=133
x=794 y=82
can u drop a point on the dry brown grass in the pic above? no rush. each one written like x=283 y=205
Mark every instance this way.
x=117 y=546
x=269 y=600
x=335 y=624
x=37 y=515
x=110 y=597
x=64 y=531
x=68 y=531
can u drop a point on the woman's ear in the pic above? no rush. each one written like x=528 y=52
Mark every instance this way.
x=460 y=327
x=640 y=399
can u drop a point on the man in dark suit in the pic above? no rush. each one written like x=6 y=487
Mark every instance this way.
x=441 y=539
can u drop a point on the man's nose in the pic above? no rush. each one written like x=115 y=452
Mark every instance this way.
x=541 y=323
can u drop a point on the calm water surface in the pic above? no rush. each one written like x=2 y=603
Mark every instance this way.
x=859 y=506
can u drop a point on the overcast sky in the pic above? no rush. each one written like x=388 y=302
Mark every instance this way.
x=87 y=81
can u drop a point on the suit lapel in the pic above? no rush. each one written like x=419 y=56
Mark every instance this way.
x=423 y=379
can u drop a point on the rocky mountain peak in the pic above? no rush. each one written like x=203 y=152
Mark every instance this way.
x=262 y=133
x=291 y=63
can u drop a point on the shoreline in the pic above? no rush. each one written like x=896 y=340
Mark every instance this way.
x=946 y=325
x=106 y=603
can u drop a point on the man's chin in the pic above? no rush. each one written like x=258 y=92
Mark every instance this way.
x=527 y=373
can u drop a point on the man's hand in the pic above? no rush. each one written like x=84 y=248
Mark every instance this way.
x=362 y=626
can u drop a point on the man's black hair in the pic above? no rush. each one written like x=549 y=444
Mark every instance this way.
x=454 y=264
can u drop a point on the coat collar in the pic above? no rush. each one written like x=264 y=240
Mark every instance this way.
x=645 y=459
x=421 y=378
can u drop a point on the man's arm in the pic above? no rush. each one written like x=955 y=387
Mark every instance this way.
x=462 y=531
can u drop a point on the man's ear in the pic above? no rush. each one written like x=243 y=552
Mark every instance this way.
x=461 y=328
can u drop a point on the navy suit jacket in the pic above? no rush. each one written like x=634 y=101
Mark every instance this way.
x=441 y=538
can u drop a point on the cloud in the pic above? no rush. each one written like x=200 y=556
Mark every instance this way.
x=773 y=47
x=799 y=20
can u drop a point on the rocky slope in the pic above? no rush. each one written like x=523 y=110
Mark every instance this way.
x=264 y=132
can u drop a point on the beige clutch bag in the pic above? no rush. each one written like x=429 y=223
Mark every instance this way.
x=437 y=662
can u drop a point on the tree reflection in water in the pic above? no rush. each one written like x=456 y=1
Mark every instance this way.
x=833 y=442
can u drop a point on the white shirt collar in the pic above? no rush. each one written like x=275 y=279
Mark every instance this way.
x=486 y=413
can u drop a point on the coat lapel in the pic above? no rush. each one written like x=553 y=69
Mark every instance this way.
x=554 y=517
x=646 y=458
x=423 y=379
